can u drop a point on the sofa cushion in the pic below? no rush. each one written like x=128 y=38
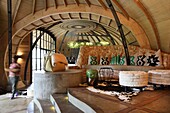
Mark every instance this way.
x=123 y=60
x=104 y=60
x=154 y=59
x=92 y=60
x=141 y=60
x=115 y=60
x=140 y=55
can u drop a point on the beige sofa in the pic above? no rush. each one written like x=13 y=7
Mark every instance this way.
x=116 y=59
x=151 y=59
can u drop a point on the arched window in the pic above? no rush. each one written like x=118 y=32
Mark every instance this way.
x=44 y=45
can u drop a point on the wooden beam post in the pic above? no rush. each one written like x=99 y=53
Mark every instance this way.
x=9 y=7
x=120 y=30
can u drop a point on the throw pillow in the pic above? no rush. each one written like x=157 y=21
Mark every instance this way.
x=115 y=60
x=141 y=60
x=132 y=60
x=104 y=60
x=123 y=60
x=154 y=59
x=136 y=58
x=92 y=60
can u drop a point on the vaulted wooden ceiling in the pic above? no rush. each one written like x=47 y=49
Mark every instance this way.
x=145 y=22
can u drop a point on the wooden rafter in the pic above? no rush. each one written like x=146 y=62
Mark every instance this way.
x=92 y=38
x=33 y=7
x=94 y=34
x=109 y=22
x=65 y=3
x=34 y=25
x=88 y=2
x=45 y=5
x=52 y=18
x=87 y=36
x=120 y=31
x=89 y=16
x=69 y=14
x=43 y=21
x=18 y=36
x=16 y=45
x=55 y=4
x=16 y=10
x=127 y=33
x=102 y=4
x=133 y=42
x=26 y=30
x=99 y=19
x=121 y=8
x=142 y=7
x=80 y=16
x=60 y=16
x=77 y=2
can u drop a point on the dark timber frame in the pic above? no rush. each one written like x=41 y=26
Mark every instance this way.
x=111 y=38
x=63 y=40
x=120 y=30
x=33 y=45
x=9 y=2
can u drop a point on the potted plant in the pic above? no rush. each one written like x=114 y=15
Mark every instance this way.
x=92 y=76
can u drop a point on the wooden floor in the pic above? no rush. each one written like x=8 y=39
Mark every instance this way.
x=157 y=101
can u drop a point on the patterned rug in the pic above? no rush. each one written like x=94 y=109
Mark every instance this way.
x=124 y=96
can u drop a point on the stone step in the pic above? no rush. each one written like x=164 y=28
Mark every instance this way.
x=62 y=105
x=41 y=106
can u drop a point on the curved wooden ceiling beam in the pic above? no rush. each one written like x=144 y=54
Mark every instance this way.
x=102 y=4
x=69 y=15
x=121 y=8
x=65 y=3
x=45 y=5
x=55 y=4
x=90 y=16
x=33 y=7
x=129 y=23
x=142 y=7
x=88 y=2
x=109 y=22
x=77 y=2
x=80 y=16
x=16 y=10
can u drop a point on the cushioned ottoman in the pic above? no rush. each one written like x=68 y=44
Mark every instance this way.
x=133 y=78
x=161 y=77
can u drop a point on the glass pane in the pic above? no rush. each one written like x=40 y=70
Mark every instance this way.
x=34 y=64
x=38 y=64
x=47 y=44
x=34 y=53
x=42 y=64
x=38 y=53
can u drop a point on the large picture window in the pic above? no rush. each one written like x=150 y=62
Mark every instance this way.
x=44 y=45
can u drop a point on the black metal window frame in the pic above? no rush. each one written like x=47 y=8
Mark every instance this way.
x=44 y=45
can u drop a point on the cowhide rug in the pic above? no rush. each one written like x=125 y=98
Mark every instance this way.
x=124 y=96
